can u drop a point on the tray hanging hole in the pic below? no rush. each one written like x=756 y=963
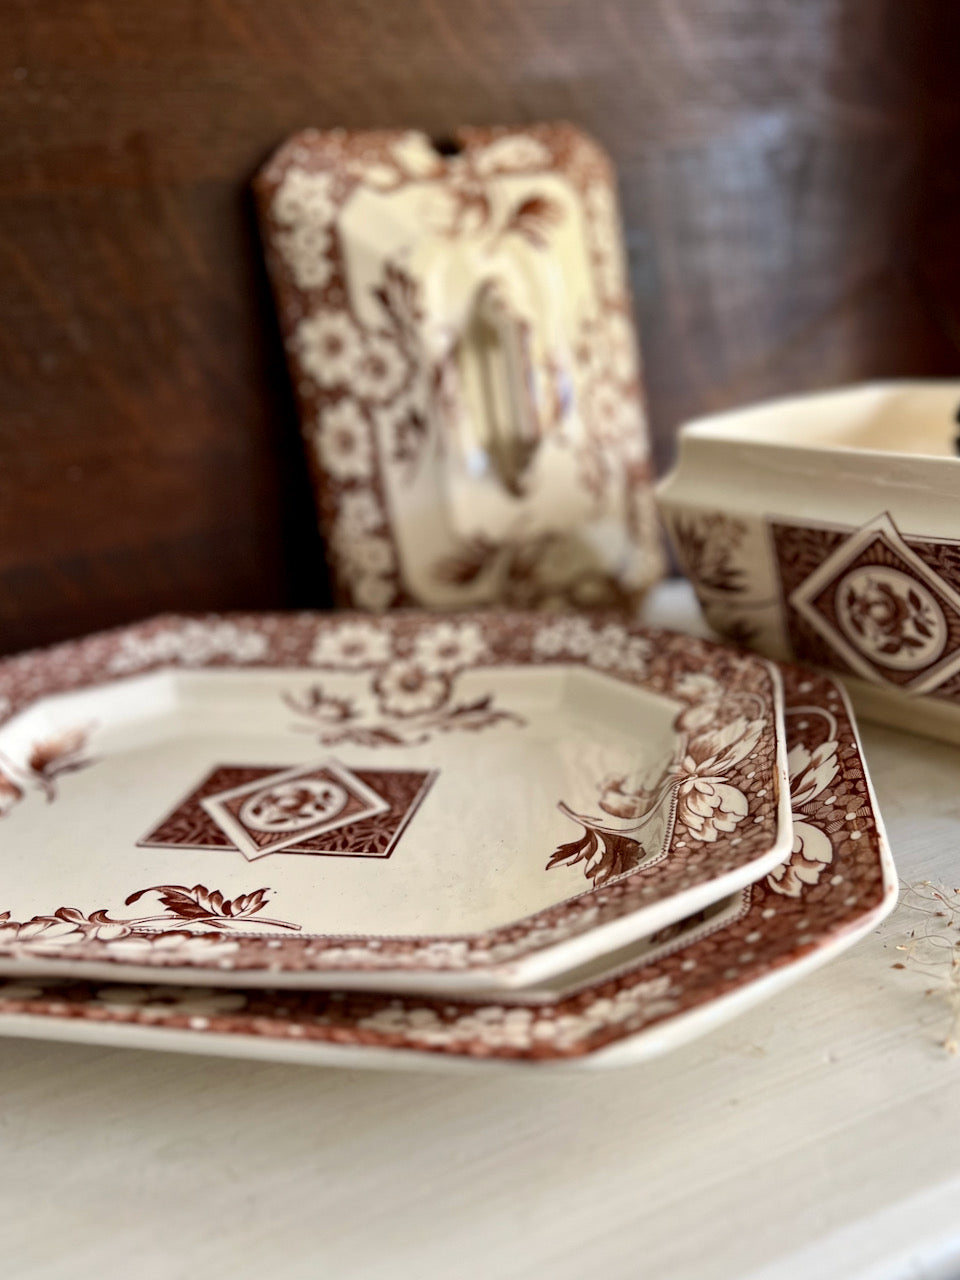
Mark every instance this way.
x=446 y=146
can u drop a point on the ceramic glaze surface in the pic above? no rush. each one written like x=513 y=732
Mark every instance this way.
x=825 y=528
x=298 y=797
x=462 y=345
x=837 y=883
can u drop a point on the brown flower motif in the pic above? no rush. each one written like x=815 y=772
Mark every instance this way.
x=887 y=619
x=707 y=803
x=406 y=689
x=812 y=853
x=811 y=772
x=320 y=705
x=708 y=806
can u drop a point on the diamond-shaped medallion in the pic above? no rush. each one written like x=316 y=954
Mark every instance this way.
x=886 y=612
x=325 y=810
x=267 y=815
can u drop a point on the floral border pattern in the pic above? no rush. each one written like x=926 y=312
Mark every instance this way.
x=671 y=665
x=715 y=735
x=776 y=930
x=181 y=907
x=369 y=396
x=412 y=686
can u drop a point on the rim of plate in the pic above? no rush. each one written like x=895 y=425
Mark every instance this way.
x=721 y=693
x=821 y=900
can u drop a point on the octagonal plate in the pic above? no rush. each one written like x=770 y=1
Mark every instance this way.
x=837 y=885
x=402 y=803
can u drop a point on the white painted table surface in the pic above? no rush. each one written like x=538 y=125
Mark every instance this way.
x=817 y=1136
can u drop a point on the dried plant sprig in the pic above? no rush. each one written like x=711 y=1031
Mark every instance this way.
x=932 y=947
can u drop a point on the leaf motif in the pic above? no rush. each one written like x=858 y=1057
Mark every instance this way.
x=68 y=766
x=471 y=210
x=715 y=751
x=319 y=705
x=214 y=902
x=55 y=756
x=372 y=736
x=409 y=438
x=533 y=218
x=466 y=565
x=178 y=899
x=620 y=855
x=246 y=904
x=399 y=296
x=415 y=729
x=575 y=851
x=201 y=903
x=467 y=708
x=473 y=718
x=606 y=855
x=812 y=773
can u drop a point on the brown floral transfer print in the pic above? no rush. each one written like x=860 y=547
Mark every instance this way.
x=716 y=734
x=872 y=602
x=371 y=393
x=672 y=666
x=706 y=544
x=770 y=932
x=413 y=688
x=48 y=761
x=189 y=826
x=196 y=908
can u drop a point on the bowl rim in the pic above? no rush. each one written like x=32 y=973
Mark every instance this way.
x=735 y=425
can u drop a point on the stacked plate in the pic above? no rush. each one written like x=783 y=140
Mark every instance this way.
x=409 y=840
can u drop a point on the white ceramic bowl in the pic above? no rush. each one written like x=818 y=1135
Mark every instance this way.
x=827 y=528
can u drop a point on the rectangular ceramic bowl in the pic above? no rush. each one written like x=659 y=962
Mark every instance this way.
x=827 y=528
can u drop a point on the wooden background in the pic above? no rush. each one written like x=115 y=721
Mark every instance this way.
x=790 y=176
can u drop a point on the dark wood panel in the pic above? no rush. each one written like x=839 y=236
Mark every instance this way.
x=789 y=187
